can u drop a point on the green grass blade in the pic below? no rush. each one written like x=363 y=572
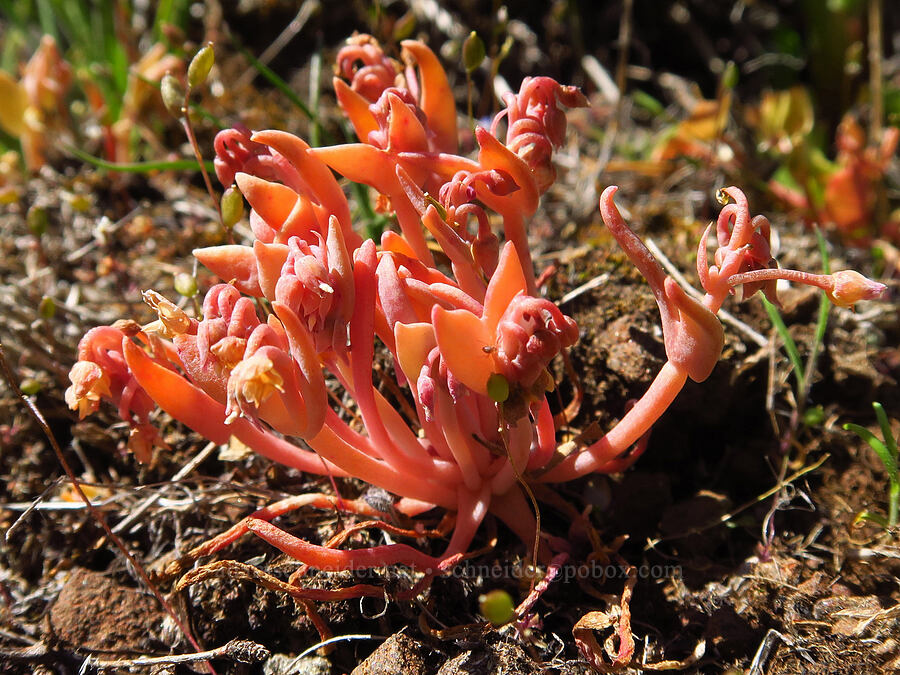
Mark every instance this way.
x=140 y=167
x=876 y=518
x=889 y=461
x=885 y=425
x=893 y=503
x=279 y=84
x=824 y=305
x=169 y=12
x=45 y=16
x=315 y=92
x=821 y=326
x=789 y=345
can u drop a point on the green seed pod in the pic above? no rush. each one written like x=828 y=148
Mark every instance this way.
x=47 y=308
x=30 y=386
x=232 y=207
x=185 y=285
x=497 y=607
x=730 y=75
x=37 y=220
x=172 y=94
x=473 y=52
x=200 y=66
x=497 y=388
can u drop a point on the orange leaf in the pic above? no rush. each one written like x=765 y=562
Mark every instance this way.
x=414 y=342
x=506 y=283
x=465 y=346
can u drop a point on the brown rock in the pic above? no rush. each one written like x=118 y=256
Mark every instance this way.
x=397 y=654
x=95 y=612
x=503 y=657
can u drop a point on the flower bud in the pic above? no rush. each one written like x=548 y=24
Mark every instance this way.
x=850 y=287
x=404 y=27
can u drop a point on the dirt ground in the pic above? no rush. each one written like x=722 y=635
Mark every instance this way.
x=739 y=519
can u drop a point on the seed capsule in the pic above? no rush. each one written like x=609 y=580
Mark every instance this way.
x=497 y=607
x=200 y=66
x=232 y=207
x=473 y=52
x=172 y=94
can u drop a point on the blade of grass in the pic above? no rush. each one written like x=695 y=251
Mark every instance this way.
x=279 y=84
x=889 y=461
x=315 y=91
x=821 y=327
x=45 y=17
x=169 y=12
x=887 y=453
x=790 y=347
x=876 y=518
x=886 y=431
x=139 y=167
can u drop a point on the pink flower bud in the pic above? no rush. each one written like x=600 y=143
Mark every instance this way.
x=850 y=287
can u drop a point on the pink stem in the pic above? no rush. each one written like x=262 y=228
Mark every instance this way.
x=399 y=431
x=545 y=432
x=459 y=444
x=519 y=443
x=823 y=281
x=412 y=507
x=514 y=229
x=634 y=248
x=401 y=482
x=636 y=423
x=410 y=225
x=279 y=508
x=336 y=560
x=515 y=511
x=471 y=510
x=362 y=355
x=349 y=435
x=411 y=453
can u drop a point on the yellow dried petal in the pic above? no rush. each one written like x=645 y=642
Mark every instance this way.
x=89 y=384
x=12 y=112
x=174 y=320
